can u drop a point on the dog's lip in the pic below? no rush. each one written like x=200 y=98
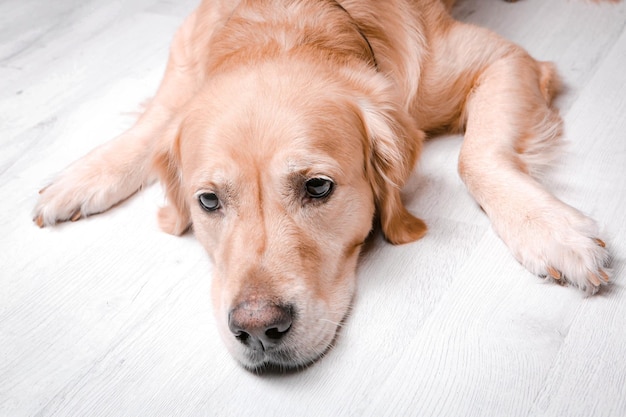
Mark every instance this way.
x=283 y=359
x=281 y=362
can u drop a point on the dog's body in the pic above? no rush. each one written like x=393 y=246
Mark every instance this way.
x=282 y=127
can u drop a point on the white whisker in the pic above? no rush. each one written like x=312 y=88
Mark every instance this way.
x=332 y=322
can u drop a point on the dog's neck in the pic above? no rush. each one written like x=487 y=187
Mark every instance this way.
x=322 y=25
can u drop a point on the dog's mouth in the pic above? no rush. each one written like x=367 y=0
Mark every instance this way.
x=281 y=360
x=273 y=361
x=282 y=350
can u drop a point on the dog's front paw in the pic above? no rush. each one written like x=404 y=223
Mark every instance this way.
x=91 y=185
x=560 y=243
x=67 y=198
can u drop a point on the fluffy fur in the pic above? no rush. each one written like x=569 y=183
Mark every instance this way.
x=261 y=96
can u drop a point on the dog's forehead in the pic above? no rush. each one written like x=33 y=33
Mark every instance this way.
x=265 y=132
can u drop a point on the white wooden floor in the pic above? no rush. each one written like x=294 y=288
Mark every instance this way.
x=110 y=317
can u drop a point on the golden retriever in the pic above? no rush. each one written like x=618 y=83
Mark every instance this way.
x=282 y=128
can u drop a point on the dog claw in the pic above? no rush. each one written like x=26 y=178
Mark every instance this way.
x=593 y=278
x=39 y=221
x=604 y=276
x=554 y=273
x=600 y=243
x=76 y=216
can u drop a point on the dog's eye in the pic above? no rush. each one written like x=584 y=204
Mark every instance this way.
x=209 y=201
x=319 y=187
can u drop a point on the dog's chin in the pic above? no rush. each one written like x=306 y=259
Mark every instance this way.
x=277 y=362
x=284 y=359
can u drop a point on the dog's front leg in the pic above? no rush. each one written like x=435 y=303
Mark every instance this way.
x=119 y=168
x=510 y=126
x=100 y=179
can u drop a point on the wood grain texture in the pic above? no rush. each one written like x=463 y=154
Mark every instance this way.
x=110 y=317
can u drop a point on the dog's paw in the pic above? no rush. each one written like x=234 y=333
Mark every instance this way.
x=561 y=244
x=67 y=198
x=89 y=186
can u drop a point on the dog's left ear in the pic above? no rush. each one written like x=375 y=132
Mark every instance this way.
x=174 y=218
x=393 y=145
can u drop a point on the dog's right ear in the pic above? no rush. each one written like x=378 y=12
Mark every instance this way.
x=174 y=218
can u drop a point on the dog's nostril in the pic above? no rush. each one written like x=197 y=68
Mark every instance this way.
x=260 y=325
x=242 y=337
x=275 y=334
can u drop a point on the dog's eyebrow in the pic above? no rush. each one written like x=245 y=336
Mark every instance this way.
x=217 y=182
x=314 y=166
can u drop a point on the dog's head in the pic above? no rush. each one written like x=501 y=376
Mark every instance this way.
x=280 y=170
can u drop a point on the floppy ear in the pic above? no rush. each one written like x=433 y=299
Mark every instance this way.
x=394 y=143
x=174 y=218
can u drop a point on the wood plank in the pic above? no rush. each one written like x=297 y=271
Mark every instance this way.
x=111 y=317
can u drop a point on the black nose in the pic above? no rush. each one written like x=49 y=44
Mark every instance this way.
x=260 y=325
